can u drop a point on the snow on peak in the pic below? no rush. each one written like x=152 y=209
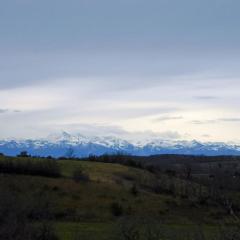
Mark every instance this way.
x=85 y=145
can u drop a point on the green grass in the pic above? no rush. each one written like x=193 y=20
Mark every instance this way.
x=93 y=230
x=109 y=230
x=84 y=208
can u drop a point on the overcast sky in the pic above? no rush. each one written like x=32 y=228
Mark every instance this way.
x=156 y=67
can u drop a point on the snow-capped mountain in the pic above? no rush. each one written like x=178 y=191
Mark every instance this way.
x=64 y=144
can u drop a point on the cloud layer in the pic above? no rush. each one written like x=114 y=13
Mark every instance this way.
x=157 y=67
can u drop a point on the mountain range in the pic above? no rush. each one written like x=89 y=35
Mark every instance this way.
x=69 y=145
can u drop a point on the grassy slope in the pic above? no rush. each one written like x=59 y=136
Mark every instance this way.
x=85 y=207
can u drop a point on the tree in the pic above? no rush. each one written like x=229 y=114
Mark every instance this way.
x=23 y=154
x=187 y=171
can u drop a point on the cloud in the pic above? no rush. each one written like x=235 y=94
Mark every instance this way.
x=218 y=120
x=133 y=112
x=106 y=63
x=3 y=111
x=204 y=121
x=167 y=118
x=229 y=119
x=206 y=97
x=117 y=131
x=206 y=135
x=90 y=129
x=169 y=135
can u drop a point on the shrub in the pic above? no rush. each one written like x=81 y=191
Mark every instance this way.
x=80 y=176
x=229 y=233
x=23 y=154
x=129 y=229
x=92 y=158
x=158 y=188
x=171 y=173
x=134 y=190
x=45 y=232
x=15 y=222
x=116 y=209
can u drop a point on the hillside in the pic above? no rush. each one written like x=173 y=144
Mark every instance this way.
x=97 y=200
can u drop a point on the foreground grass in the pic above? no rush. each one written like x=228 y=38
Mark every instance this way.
x=93 y=230
x=105 y=231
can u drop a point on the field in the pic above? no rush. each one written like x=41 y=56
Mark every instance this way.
x=98 y=200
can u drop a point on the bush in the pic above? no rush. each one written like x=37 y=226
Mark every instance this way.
x=229 y=233
x=15 y=222
x=80 y=176
x=129 y=229
x=158 y=188
x=171 y=173
x=23 y=154
x=116 y=209
x=45 y=232
x=134 y=190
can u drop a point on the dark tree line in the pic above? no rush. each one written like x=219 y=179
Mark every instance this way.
x=28 y=166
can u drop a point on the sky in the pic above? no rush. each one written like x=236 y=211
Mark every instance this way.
x=165 y=68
